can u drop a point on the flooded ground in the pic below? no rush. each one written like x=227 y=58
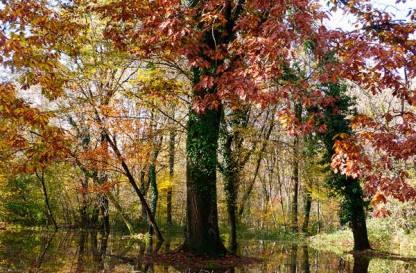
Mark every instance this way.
x=29 y=251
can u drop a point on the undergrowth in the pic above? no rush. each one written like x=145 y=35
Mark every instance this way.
x=383 y=235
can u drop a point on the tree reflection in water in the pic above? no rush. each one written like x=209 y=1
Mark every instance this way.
x=31 y=251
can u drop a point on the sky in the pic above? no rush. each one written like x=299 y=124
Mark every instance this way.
x=340 y=19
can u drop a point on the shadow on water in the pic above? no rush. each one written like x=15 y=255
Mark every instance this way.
x=28 y=251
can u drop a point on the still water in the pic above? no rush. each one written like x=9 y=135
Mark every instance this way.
x=30 y=251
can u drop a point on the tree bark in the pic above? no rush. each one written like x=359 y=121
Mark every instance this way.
x=93 y=223
x=355 y=206
x=230 y=175
x=84 y=205
x=41 y=178
x=294 y=258
x=307 y=206
x=144 y=187
x=295 y=185
x=104 y=206
x=361 y=264
x=154 y=193
x=305 y=260
x=202 y=233
x=133 y=183
x=172 y=137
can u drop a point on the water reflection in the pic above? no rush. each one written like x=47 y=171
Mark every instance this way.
x=98 y=252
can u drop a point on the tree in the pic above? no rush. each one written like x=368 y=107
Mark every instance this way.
x=233 y=160
x=224 y=51
x=230 y=51
x=349 y=188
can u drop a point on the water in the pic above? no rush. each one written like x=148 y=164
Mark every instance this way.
x=30 y=251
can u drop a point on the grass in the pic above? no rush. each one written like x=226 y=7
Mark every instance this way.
x=383 y=236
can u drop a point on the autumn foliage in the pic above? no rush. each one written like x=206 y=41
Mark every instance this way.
x=107 y=62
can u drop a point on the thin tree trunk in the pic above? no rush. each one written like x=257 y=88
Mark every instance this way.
x=156 y=143
x=93 y=223
x=104 y=206
x=118 y=207
x=133 y=183
x=84 y=203
x=172 y=136
x=258 y=163
x=230 y=174
x=144 y=187
x=295 y=185
x=154 y=193
x=41 y=178
x=307 y=205
x=295 y=172
x=293 y=258
x=305 y=260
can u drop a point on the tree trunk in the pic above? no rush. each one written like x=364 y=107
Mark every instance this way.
x=84 y=206
x=104 y=207
x=295 y=185
x=133 y=183
x=172 y=137
x=230 y=175
x=355 y=206
x=144 y=187
x=41 y=178
x=247 y=193
x=125 y=217
x=94 y=217
x=305 y=260
x=154 y=193
x=202 y=233
x=307 y=206
x=361 y=264
x=293 y=258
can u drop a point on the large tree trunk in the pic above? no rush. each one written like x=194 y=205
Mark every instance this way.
x=202 y=232
x=356 y=214
x=361 y=264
